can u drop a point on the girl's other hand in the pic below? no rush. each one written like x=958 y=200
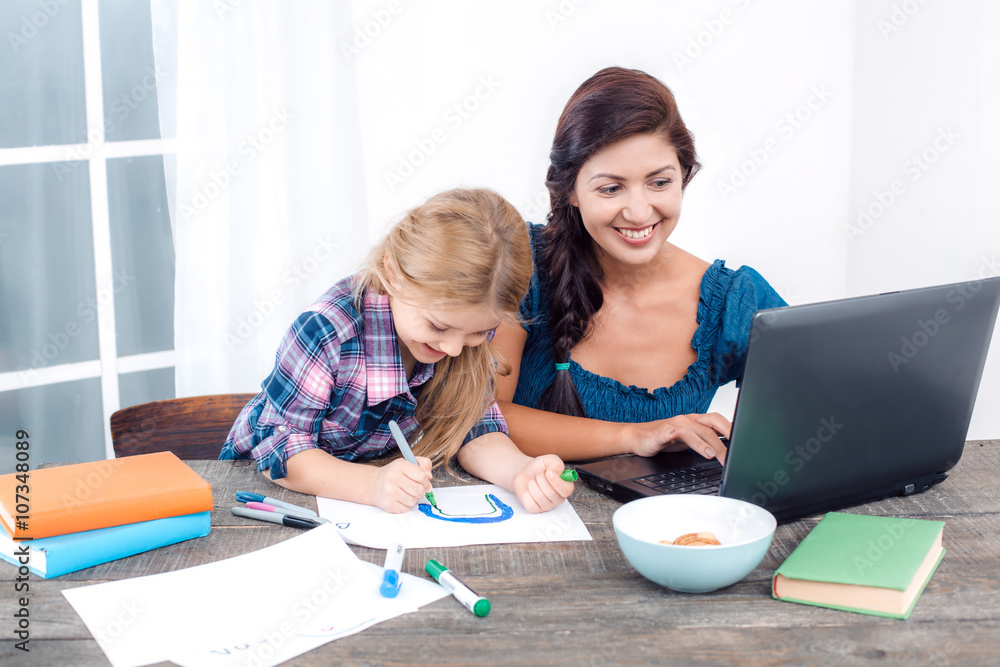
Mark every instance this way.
x=398 y=486
x=700 y=432
x=538 y=486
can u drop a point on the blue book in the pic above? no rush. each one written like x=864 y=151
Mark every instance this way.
x=53 y=556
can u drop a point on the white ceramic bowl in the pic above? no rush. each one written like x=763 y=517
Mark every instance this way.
x=745 y=531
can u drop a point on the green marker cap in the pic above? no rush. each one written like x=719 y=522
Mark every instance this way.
x=435 y=569
x=482 y=607
x=569 y=474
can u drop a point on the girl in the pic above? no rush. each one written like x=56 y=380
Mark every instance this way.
x=627 y=336
x=405 y=339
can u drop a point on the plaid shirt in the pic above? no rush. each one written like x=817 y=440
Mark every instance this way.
x=337 y=382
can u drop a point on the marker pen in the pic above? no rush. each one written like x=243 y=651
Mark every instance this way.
x=570 y=475
x=391 y=581
x=274 y=517
x=252 y=505
x=472 y=601
x=247 y=496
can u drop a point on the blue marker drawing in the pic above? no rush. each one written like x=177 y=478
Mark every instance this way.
x=497 y=505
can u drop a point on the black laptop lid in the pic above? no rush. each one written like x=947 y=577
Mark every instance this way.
x=858 y=398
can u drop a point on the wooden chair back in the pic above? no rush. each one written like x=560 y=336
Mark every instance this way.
x=192 y=428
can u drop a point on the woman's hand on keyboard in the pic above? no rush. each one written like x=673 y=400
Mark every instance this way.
x=700 y=432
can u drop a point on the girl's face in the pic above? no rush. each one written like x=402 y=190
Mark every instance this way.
x=428 y=334
x=629 y=196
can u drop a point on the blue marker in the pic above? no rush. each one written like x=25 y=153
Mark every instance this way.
x=391 y=581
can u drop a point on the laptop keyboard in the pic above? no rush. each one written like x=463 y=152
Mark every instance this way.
x=701 y=479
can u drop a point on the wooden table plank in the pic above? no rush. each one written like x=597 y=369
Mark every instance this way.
x=582 y=603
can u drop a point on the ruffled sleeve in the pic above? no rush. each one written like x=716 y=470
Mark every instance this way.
x=533 y=303
x=733 y=297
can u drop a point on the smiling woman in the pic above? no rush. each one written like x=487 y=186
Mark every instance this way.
x=627 y=336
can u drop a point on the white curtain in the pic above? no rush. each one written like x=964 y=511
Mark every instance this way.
x=269 y=206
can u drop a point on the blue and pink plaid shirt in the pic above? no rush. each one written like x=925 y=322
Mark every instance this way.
x=338 y=380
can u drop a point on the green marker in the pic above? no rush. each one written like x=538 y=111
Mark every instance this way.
x=404 y=447
x=471 y=600
x=569 y=474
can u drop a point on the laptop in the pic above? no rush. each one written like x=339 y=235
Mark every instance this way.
x=841 y=403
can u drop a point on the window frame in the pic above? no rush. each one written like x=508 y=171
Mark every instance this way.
x=95 y=152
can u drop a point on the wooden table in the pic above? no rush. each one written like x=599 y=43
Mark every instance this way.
x=578 y=603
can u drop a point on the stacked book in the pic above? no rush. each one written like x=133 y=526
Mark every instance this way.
x=67 y=518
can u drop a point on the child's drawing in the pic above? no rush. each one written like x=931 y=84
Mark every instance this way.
x=472 y=514
x=498 y=512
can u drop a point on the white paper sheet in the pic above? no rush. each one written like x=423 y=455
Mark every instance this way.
x=481 y=514
x=254 y=610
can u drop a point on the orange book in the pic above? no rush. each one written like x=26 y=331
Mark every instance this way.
x=100 y=494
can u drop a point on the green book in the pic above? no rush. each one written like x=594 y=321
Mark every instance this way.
x=867 y=564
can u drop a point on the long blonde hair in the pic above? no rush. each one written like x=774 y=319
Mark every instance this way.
x=463 y=247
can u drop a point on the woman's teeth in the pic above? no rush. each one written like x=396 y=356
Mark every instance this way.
x=636 y=233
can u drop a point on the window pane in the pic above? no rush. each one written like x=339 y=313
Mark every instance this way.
x=41 y=74
x=142 y=255
x=64 y=423
x=49 y=301
x=145 y=386
x=130 y=108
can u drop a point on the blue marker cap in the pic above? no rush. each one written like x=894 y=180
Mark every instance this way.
x=390 y=584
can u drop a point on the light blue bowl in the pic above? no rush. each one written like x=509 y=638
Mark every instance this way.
x=745 y=531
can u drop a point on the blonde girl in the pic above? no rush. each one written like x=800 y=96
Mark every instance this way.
x=407 y=339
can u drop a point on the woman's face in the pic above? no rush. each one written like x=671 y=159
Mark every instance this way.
x=629 y=196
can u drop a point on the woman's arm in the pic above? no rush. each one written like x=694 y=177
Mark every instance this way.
x=395 y=487
x=537 y=432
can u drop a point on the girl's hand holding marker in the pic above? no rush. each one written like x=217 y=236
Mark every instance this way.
x=404 y=447
x=400 y=485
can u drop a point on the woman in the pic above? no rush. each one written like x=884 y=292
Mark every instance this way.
x=627 y=337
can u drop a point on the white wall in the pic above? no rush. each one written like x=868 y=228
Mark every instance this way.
x=806 y=110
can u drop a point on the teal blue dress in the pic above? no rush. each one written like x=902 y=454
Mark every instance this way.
x=726 y=306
